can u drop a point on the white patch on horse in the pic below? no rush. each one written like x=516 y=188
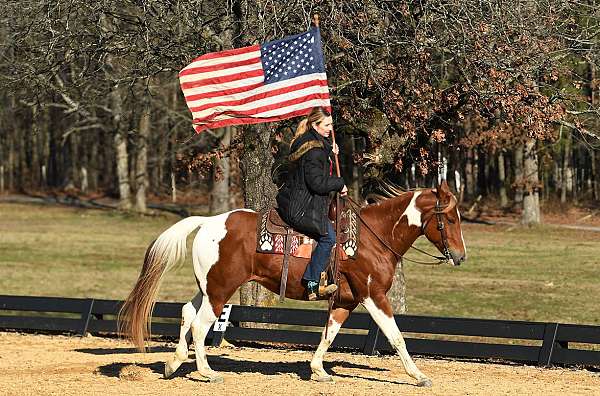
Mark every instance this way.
x=412 y=213
x=388 y=325
x=461 y=234
x=369 y=285
x=205 y=251
x=188 y=313
x=316 y=364
x=200 y=327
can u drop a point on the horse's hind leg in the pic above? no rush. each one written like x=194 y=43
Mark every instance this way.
x=188 y=314
x=200 y=327
x=337 y=317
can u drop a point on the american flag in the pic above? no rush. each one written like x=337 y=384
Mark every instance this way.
x=260 y=83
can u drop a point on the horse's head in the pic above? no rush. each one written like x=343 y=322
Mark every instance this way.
x=441 y=223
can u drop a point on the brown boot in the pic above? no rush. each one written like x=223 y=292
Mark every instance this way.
x=327 y=290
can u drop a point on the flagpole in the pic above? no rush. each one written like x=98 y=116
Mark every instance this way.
x=336 y=258
x=337 y=161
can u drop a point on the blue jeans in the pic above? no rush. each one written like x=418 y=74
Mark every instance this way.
x=320 y=256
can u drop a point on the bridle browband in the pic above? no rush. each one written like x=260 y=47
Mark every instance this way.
x=438 y=210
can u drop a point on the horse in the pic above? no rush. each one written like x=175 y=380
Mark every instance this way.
x=224 y=257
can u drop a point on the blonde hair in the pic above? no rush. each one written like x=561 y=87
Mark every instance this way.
x=317 y=114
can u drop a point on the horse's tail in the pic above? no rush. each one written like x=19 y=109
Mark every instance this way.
x=167 y=250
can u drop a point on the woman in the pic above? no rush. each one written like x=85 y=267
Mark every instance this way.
x=303 y=201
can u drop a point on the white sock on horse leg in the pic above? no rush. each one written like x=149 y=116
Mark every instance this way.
x=326 y=339
x=389 y=327
x=200 y=327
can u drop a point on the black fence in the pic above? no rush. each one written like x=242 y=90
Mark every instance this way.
x=529 y=342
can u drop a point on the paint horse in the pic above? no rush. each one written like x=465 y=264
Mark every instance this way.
x=224 y=257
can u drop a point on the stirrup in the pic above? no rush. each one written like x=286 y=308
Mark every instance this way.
x=324 y=288
x=327 y=290
x=323 y=291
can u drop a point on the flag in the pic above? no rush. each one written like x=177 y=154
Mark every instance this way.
x=260 y=83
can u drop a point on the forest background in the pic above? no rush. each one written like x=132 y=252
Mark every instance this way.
x=503 y=98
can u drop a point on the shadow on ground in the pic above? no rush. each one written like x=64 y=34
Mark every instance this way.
x=116 y=351
x=225 y=364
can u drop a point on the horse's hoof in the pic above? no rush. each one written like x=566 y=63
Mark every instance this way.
x=321 y=378
x=425 y=383
x=217 y=379
x=170 y=368
x=211 y=377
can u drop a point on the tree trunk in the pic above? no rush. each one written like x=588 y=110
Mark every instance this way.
x=594 y=177
x=11 y=162
x=519 y=178
x=531 y=199
x=567 y=172
x=219 y=201
x=594 y=101
x=35 y=151
x=120 y=144
x=141 y=162
x=397 y=293
x=259 y=193
x=469 y=179
x=502 y=180
x=45 y=153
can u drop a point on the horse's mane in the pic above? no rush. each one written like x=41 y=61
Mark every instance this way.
x=387 y=190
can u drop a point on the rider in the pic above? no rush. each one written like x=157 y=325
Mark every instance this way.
x=304 y=199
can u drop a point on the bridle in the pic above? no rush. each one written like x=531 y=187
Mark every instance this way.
x=439 y=211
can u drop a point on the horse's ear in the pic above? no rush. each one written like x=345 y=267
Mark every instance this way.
x=443 y=189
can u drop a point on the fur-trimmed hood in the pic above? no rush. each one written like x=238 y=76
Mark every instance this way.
x=306 y=142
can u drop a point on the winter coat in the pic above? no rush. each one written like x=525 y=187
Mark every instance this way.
x=303 y=201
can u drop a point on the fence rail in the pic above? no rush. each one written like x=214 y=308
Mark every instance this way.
x=544 y=343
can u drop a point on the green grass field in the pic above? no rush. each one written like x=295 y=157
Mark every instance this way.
x=541 y=274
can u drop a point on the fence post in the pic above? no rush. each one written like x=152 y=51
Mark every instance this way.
x=86 y=314
x=548 y=344
x=371 y=339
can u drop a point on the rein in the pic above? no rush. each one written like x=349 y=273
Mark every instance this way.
x=439 y=210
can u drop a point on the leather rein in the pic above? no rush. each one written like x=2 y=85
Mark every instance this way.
x=438 y=211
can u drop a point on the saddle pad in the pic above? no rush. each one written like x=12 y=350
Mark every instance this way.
x=301 y=245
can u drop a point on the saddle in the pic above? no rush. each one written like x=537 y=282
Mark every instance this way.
x=275 y=236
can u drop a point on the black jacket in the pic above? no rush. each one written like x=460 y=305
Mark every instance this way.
x=303 y=201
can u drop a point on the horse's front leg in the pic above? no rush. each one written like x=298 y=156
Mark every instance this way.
x=381 y=311
x=337 y=317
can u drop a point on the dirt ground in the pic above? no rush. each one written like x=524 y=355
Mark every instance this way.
x=62 y=365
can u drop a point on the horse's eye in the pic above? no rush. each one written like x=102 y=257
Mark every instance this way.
x=451 y=221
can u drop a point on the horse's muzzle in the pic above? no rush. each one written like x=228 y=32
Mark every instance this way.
x=457 y=258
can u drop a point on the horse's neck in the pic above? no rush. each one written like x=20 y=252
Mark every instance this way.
x=391 y=219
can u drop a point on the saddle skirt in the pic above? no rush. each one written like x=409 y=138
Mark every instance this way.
x=272 y=231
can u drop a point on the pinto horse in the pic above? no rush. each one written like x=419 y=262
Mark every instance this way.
x=224 y=257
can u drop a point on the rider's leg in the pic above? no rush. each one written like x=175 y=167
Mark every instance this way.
x=318 y=261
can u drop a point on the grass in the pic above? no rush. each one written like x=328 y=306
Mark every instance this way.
x=538 y=274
